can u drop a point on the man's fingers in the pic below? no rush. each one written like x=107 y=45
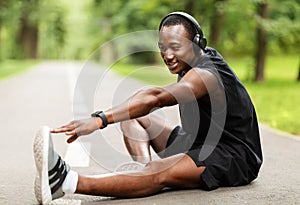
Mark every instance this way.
x=65 y=128
x=59 y=130
x=71 y=133
x=72 y=139
x=71 y=130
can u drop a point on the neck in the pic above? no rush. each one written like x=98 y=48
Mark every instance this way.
x=197 y=55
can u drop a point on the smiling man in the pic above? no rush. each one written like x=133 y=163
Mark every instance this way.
x=217 y=143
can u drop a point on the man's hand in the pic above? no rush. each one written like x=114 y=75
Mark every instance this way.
x=78 y=128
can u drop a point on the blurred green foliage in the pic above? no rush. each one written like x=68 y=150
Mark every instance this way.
x=277 y=99
x=48 y=17
x=73 y=29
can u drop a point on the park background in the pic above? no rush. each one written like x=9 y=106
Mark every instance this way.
x=258 y=38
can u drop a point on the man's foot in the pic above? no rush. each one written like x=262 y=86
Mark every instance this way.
x=51 y=169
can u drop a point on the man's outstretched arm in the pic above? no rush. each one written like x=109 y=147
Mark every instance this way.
x=193 y=85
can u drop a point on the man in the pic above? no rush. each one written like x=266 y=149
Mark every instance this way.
x=217 y=144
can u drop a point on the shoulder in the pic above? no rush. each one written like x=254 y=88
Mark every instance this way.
x=200 y=79
x=209 y=51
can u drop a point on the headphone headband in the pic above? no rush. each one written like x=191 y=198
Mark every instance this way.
x=201 y=40
x=187 y=17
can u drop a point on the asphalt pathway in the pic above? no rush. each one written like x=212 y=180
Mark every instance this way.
x=53 y=93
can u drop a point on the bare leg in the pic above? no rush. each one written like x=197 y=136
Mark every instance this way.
x=177 y=171
x=136 y=140
x=140 y=133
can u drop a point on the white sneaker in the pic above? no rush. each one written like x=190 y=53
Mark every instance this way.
x=51 y=169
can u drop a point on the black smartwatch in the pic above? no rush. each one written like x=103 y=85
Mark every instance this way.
x=101 y=115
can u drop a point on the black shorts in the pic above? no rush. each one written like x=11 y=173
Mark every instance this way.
x=227 y=165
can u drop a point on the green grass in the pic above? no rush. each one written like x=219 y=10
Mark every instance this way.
x=276 y=100
x=10 y=68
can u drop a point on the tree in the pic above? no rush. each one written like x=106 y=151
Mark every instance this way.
x=261 y=52
x=28 y=30
x=284 y=27
x=216 y=22
x=189 y=6
x=31 y=29
x=52 y=30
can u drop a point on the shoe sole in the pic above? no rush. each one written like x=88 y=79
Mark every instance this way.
x=42 y=189
x=129 y=167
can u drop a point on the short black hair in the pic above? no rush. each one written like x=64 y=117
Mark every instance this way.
x=173 y=20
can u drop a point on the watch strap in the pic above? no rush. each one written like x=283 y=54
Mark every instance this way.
x=101 y=115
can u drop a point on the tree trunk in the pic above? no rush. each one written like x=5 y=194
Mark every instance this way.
x=28 y=38
x=261 y=52
x=216 y=23
x=189 y=7
x=0 y=43
x=28 y=29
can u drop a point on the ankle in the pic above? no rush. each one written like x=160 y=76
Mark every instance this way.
x=69 y=186
x=142 y=159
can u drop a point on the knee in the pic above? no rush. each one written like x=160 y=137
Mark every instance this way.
x=127 y=126
x=124 y=125
x=131 y=126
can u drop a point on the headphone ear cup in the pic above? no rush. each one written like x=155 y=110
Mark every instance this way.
x=196 y=39
x=203 y=43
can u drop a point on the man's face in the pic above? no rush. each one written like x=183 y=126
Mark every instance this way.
x=175 y=47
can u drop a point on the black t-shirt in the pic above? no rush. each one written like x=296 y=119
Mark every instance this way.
x=207 y=122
